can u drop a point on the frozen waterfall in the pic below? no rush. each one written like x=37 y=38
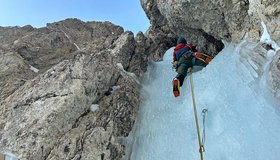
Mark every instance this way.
x=242 y=122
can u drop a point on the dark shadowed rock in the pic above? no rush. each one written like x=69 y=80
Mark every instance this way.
x=15 y=71
x=206 y=23
x=173 y=19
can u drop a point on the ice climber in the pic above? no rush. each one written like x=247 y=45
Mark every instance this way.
x=185 y=57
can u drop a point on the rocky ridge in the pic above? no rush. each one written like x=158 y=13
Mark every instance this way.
x=69 y=90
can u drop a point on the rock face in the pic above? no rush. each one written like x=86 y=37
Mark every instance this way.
x=206 y=23
x=69 y=90
x=269 y=13
x=274 y=75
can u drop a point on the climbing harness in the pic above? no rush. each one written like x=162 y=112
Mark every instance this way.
x=200 y=141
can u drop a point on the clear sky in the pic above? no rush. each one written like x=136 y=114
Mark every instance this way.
x=126 y=13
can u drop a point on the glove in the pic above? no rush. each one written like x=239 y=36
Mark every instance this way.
x=174 y=65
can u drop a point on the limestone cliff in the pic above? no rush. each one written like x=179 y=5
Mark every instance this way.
x=69 y=90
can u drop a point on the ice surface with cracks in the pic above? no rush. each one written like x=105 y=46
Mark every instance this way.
x=240 y=124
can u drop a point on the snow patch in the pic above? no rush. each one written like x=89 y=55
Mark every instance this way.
x=125 y=73
x=271 y=53
x=77 y=46
x=265 y=38
x=34 y=69
x=120 y=66
x=67 y=36
x=114 y=88
x=94 y=107
x=16 y=42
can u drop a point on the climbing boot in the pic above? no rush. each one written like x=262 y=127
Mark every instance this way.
x=176 y=87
